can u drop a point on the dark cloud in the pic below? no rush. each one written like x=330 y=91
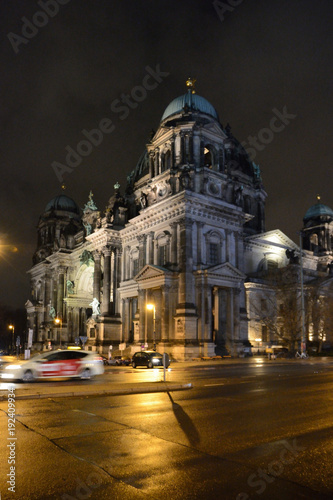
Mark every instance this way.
x=264 y=55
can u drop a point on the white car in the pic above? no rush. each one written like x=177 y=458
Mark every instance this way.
x=55 y=364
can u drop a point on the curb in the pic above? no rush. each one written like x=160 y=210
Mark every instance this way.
x=113 y=392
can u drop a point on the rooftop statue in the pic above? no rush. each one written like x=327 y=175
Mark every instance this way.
x=91 y=204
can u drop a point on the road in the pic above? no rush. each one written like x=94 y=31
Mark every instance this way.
x=252 y=429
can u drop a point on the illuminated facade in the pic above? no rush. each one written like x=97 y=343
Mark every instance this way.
x=187 y=235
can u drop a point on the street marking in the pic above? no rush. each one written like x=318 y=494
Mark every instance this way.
x=87 y=412
x=211 y=385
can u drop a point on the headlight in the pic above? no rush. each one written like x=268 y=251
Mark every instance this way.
x=13 y=367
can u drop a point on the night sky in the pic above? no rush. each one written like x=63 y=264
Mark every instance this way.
x=249 y=58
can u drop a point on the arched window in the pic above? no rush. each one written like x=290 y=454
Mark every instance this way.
x=166 y=164
x=214 y=248
x=163 y=248
x=210 y=157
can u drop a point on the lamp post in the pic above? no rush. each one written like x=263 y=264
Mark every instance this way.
x=12 y=327
x=58 y=322
x=151 y=307
x=303 y=345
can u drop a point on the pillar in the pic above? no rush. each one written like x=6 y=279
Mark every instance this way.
x=106 y=281
x=199 y=243
x=142 y=250
x=173 y=259
x=60 y=292
x=165 y=310
x=150 y=248
x=97 y=276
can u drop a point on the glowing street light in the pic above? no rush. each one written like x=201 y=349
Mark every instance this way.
x=58 y=321
x=151 y=307
x=12 y=327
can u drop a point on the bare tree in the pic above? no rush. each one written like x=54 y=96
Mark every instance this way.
x=319 y=313
x=280 y=306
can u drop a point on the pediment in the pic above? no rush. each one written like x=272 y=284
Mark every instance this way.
x=215 y=128
x=149 y=271
x=227 y=270
x=160 y=133
x=275 y=237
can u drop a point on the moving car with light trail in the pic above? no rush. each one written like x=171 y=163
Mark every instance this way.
x=150 y=359
x=55 y=364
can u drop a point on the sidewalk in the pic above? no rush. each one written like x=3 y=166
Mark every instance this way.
x=118 y=389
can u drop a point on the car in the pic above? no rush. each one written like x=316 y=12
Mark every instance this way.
x=55 y=364
x=122 y=361
x=150 y=359
x=108 y=361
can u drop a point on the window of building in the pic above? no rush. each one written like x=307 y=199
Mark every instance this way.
x=213 y=253
x=135 y=266
x=92 y=333
x=162 y=255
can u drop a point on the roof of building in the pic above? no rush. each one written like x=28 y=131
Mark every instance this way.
x=194 y=102
x=317 y=211
x=64 y=204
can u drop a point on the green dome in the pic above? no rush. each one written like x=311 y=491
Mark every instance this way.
x=195 y=103
x=317 y=211
x=63 y=203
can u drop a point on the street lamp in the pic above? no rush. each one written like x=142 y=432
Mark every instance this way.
x=58 y=322
x=303 y=344
x=151 y=307
x=12 y=327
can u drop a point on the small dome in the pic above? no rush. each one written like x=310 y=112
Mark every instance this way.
x=318 y=211
x=63 y=203
x=195 y=103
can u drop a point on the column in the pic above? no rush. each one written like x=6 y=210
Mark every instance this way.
x=236 y=314
x=230 y=317
x=106 y=281
x=199 y=243
x=47 y=296
x=142 y=250
x=240 y=251
x=156 y=162
x=70 y=324
x=172 y=153
x=227 y=245
x=116 y=279
x=165 y=289
x=126 y=318
x=60 y=292
x=182 y=149
x=216 y=312
x=97 y=275
x=150 y=248
x=186 y=288
x=190 y=147
x=142 y=315
x=173 y=259
x=151 y=165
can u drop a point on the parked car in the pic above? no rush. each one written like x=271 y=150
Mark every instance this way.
x=55 y=364
x=107 y=361
x=121 y=360
x=150 y=359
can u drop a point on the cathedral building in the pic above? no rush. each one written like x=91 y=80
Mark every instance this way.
x=186 y=237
